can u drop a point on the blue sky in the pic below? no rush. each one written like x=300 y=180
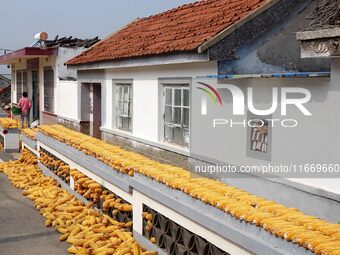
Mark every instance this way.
x=21 y=20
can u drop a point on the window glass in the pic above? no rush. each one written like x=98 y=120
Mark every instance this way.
x=259 y=135
x=168 y=114
x=19 y=85
x=185 y=97
x=178 y=136
x=168 y=96
x=126 y=93
x=169 y=134
x=124 y=106
x=178 y=97
x=186 y=117
x=49 y=90
x=24 y=81
x=176 y=114
x=119 y=90
x=126 y=123
x=119 y=121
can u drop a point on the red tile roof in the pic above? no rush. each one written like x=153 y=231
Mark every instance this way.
x=181 y=29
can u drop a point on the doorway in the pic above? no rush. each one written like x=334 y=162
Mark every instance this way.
x=35 y=96
x=91 y=109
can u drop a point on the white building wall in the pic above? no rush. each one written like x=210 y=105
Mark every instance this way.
x=145 y=109
x=65 y=54
x=314 y=141
x=329 y=117
x=146 y=94
x=67 y=100
x=107 y=104
x=67 y=93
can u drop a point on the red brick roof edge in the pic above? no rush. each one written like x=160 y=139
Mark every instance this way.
x=182 y=29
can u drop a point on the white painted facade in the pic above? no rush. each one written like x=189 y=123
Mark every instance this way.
x=314 y=141
x=147 y=117
x=65 y=91
x=147 y=96
x=67 y=100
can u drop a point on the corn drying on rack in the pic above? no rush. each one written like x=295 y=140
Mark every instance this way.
x=236 y=221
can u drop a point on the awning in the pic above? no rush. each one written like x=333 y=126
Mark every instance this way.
x=27 y=53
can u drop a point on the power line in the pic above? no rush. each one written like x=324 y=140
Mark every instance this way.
x=5 y=50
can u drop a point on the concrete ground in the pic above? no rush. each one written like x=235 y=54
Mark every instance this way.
x=22 y=230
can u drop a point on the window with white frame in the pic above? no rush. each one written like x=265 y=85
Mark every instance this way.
x=259 y=139
x=259 y=135
x=123 y=93
x=176 y=114
x=21 y=83
x=49 y=87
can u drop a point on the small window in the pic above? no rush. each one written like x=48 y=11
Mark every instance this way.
x=49 y=90
x=124 y=106
x=259 y=134
x=176 y=114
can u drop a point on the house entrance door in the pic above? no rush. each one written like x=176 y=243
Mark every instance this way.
x=91 y=109
x=95 y=118
x=35 y=95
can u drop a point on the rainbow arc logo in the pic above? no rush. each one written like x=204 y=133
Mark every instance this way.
x=213 y=94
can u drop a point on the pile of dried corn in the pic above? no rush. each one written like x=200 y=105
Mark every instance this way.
x=8 y=123
x=30 y=132
x=88 y=231
x=59 y=167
